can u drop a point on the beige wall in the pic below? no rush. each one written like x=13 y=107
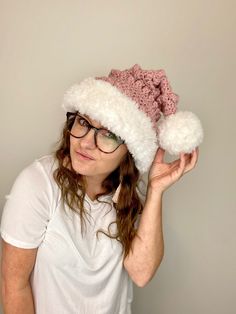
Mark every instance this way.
x=48 y=45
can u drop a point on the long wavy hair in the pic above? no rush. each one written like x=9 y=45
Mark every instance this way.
x=128 y=206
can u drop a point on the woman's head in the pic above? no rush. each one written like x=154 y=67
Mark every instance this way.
x=89 y=138
x=103 y=168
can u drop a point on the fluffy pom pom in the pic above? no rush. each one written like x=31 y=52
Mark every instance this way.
x=180 y=132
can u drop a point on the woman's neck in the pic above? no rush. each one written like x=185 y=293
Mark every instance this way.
x=93 y=186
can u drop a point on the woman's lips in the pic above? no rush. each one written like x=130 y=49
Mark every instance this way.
x=84 y=156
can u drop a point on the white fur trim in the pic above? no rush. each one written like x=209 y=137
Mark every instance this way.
x=105 y=103
x=180 y=132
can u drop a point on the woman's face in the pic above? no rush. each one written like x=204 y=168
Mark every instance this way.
x=101 y=164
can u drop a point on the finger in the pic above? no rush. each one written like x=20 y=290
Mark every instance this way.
x=160 y=155
x=183 y=159
x=182 y=162
x=197 y=153
x=176 y=163
x=193 y=160
x=195 y=156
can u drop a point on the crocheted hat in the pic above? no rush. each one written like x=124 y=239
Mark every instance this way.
x=130 y=103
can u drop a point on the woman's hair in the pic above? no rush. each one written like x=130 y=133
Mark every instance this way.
x=128 y=206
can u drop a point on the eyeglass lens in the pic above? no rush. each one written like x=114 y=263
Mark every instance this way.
x=106 y=140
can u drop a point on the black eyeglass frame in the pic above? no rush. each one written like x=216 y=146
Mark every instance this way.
x=90 y=126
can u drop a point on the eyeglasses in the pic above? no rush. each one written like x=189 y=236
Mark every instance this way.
x=105 y=140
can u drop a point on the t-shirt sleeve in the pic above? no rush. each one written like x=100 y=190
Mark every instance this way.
x=28 y=208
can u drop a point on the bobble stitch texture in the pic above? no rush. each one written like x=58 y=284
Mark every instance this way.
x=150 y=89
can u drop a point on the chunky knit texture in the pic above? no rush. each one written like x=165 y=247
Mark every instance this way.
x=150 y=89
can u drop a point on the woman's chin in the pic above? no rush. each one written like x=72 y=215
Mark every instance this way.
x=80 y=169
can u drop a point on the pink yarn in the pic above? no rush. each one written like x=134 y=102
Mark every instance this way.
x=150 y=89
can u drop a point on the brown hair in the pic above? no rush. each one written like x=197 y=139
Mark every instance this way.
x=128 y=206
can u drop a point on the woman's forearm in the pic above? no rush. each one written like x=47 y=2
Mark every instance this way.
x=148 y=247
x=17 y=301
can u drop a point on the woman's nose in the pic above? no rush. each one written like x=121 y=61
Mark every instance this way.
x=88 y=140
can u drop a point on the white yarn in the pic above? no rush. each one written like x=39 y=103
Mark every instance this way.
x=180 y=132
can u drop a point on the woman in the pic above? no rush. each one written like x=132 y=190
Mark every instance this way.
x=76 y=228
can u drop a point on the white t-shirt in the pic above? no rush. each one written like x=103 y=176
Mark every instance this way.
x=73 y=274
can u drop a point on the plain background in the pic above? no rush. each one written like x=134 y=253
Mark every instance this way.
x=46 y=46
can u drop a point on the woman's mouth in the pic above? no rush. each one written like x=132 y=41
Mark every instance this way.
x=83 y=157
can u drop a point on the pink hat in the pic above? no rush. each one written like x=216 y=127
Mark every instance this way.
x=130 y=103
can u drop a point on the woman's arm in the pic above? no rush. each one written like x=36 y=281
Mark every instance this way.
x=16 y=267
x=147 y=249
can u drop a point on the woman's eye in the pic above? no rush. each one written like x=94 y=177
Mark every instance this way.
x=109 y=135
x=82 y=122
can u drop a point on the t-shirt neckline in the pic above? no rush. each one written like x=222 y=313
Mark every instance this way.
x=102 y=197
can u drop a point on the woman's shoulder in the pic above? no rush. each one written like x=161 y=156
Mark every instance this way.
x=47 y=163
x=32 y=201
x=39 y=172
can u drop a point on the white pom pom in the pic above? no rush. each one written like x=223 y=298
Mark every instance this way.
x=180 y=132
